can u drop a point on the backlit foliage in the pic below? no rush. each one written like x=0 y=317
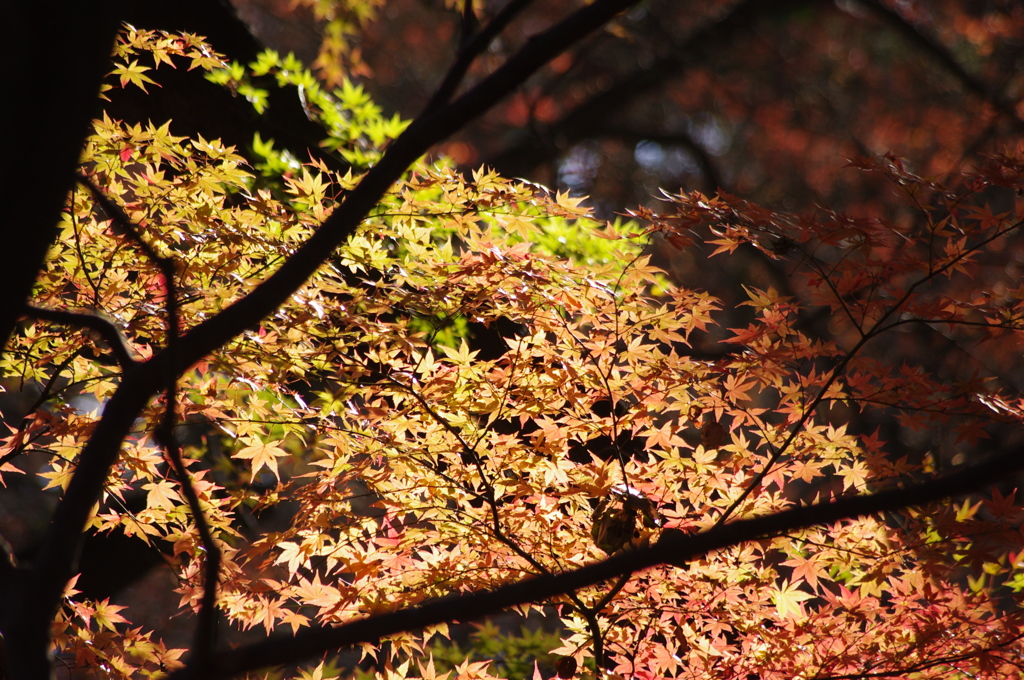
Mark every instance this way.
x=339 y=58
x=406 y=458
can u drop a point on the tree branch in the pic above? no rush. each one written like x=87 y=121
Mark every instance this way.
x=473 y=47
x=428 y=129
x=57 y=557
x=206 y=628
x=123 y=354
x=674 y=548
x=52 y=95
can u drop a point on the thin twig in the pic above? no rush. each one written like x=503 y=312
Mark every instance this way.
x=44 y=396
x=120 y=221
x=881 y=326
x=206 y=627
x=472 y=49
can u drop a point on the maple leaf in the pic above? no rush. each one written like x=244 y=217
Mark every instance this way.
x=570 y=205
x=293 y=554
x=135 y=74
x=788 y=598
x=317 y=594
x=262 y=454
x=108 y=615
x=428 y=672
x=461 y=356
x=854 y=475
x=808 y=569
x=161 y=495
x=317 y=673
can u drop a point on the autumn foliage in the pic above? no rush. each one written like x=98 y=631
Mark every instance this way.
x=485 y=384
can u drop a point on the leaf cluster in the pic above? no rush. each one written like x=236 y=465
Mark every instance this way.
x=402 y=463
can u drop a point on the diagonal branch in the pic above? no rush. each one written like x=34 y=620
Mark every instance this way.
x=473 y=46
x=676 y=549
x=56 y=559
x=428 y=129
x=592 y=116
x=123 y=226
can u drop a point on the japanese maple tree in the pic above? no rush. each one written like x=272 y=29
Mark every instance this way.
x=357 y=398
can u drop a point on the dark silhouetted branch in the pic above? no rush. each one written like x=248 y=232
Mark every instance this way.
x=56 y=559
x=473 y=47
x=595 y=114
x=206 y=629
x=674 y=548
x=103 y=327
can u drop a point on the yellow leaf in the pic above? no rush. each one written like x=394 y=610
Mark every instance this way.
x=161 y=495
x=788 y=598
x=461 y=356
x=262 y=454
x=571 y=205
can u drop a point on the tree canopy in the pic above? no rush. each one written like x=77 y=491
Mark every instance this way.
x=333 y=388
